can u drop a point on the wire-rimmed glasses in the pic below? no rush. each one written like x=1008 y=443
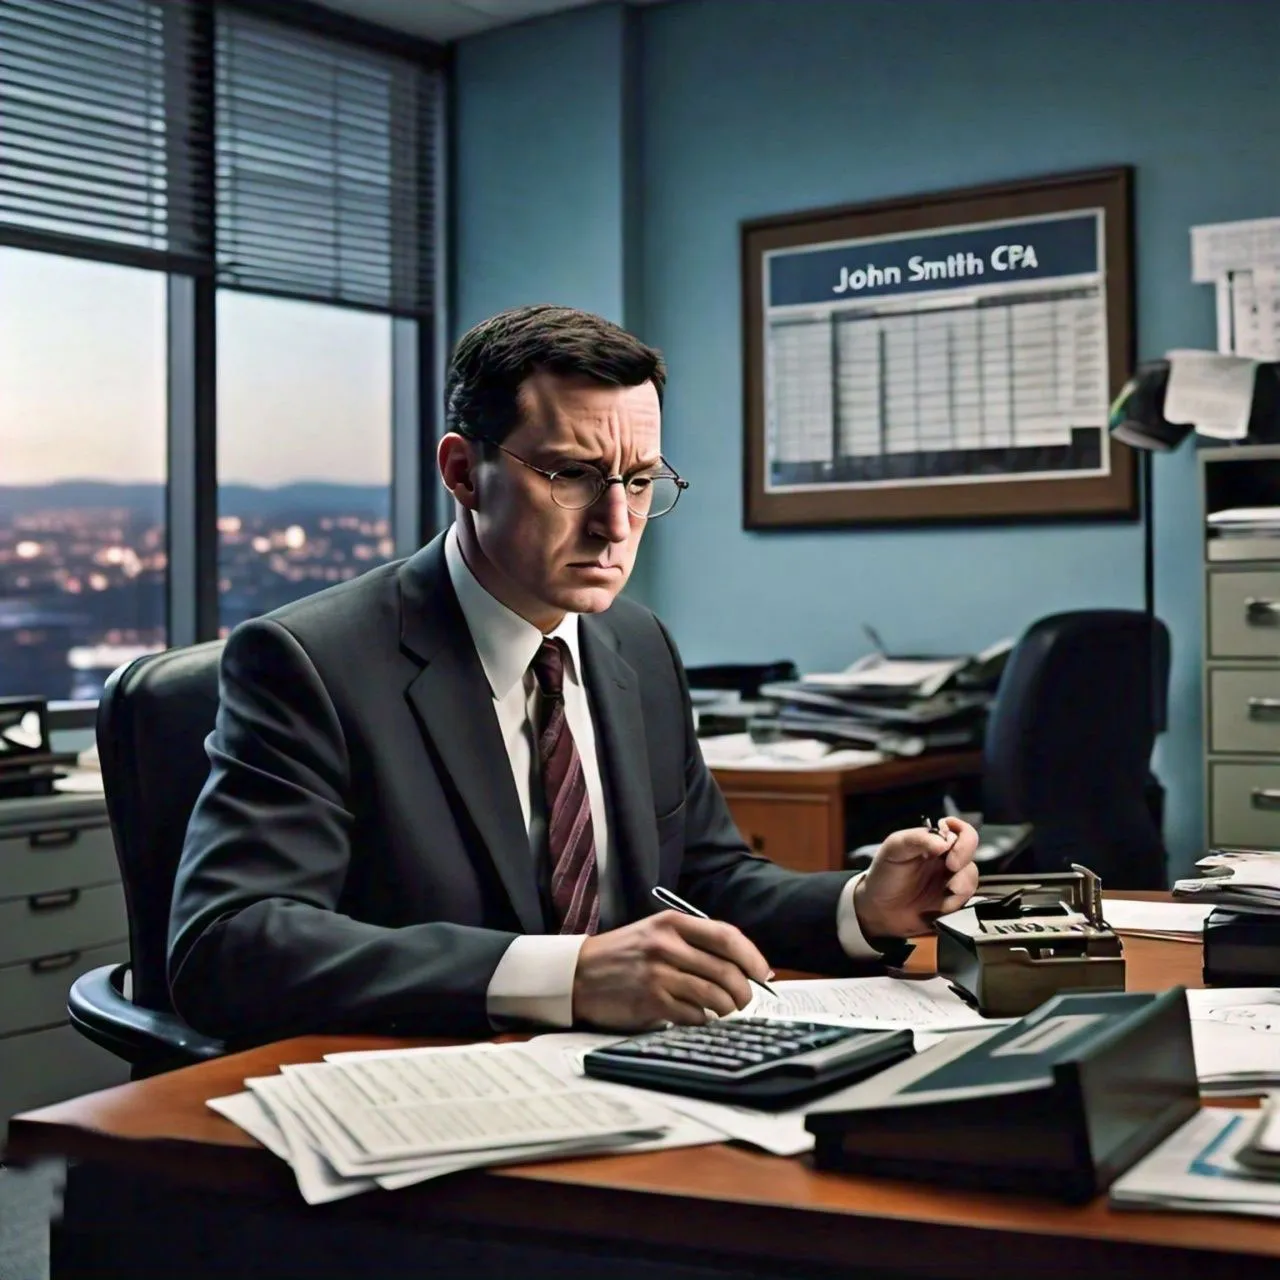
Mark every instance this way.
x=651 y=491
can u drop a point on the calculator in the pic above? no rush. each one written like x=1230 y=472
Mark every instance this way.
x=762 y=1062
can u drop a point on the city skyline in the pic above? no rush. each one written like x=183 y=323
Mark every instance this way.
x=304 y=391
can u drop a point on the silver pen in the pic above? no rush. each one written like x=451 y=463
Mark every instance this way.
x=677 y=903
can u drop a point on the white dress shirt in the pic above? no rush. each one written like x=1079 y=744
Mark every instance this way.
x=534 y=978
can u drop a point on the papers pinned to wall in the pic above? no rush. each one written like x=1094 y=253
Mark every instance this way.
x=1242 y=261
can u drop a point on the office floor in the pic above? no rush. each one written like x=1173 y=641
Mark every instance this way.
x=27 y=1198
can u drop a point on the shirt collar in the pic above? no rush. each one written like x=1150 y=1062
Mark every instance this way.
x=505 y=642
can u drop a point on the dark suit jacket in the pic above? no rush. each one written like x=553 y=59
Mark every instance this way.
x=357 y=858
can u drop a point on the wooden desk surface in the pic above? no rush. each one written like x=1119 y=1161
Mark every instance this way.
x=724 y=1199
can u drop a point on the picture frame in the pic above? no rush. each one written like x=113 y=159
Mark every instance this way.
x=943 y=358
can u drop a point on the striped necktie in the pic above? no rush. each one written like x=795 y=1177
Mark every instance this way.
x=571 y=841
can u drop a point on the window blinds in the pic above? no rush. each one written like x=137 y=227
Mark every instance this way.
x=100 y=106
x=325 y=164
x=189 y=136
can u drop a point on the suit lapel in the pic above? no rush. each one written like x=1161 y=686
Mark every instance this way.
x=614 y=692
x=453 y=703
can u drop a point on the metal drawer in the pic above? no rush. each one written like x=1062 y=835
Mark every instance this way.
x=68 y=920
x=41 y=1067
x=56 y=856
x=1245 y=800
x=1244 y=710
x=34 y=994
x=1244 y=614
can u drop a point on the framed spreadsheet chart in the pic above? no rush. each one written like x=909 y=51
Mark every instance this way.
x=947 y=357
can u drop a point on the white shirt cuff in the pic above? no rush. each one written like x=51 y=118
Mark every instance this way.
x=848 y=930
x=534 y=979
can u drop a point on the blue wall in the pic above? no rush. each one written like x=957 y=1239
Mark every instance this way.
x=754 y=107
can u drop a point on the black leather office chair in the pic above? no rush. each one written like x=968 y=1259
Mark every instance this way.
x=153 y=718
x=1069 y=741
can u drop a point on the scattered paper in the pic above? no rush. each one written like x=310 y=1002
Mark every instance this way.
x=922 y=676
x=1240 y=877
x=1236 y=1035
x=1211 y=392
x=740 y=751
x=1196 y=1168
x=1171 y=921
x=390 y=1118
x=923 y=1004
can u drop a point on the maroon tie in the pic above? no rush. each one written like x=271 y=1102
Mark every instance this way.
x=571 y=838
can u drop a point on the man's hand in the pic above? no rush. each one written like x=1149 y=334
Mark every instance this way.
x=915 y=877
x=669 y=967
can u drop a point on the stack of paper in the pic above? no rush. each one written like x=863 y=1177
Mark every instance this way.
x=1236 y=1034
x=1198 y=1168
x=1236 y=877
x=391 y=1118
x=1169 y=921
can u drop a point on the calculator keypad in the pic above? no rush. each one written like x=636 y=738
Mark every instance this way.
x=731 y=1045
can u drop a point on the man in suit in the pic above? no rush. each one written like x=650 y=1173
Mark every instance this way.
x=441 y=794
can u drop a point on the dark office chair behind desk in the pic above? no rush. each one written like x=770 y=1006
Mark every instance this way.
x=1069 y=741
x=153 y=718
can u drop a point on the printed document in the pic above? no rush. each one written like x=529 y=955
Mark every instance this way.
x=924 y=1004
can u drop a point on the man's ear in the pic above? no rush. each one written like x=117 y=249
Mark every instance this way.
x=458 y=459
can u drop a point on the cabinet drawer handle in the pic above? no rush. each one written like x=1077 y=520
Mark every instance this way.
x=757 y=844
x=1264 y=708
x=47 y=964
x=53 y=901
x=52 y=839
x=1265 y=798
x=1262 y=613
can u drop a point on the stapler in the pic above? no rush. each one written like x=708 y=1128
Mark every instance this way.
x=1031 y=937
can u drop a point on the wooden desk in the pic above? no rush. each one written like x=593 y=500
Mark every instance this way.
x=158 y=1152
x=801 y=818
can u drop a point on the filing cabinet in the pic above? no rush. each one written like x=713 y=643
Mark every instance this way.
x=62 y=913
x=1241 y=651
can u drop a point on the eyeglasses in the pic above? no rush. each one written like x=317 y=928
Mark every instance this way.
x=578 y=485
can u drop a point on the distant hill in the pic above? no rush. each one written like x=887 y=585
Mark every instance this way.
x=311 y=497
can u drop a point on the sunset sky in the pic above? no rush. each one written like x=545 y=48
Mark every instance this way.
x=304 y=392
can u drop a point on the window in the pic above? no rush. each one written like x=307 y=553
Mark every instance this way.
x=217 y=319
x=304 y=449
x=82 y=471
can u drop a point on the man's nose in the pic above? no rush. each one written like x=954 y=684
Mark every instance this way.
x=609 y=515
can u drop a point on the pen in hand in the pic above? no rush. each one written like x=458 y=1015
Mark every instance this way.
x=677 y=903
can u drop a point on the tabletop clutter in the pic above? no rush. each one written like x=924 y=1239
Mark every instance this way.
x=1023 y=1036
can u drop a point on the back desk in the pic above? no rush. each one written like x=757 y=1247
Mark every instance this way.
x=160 y=1172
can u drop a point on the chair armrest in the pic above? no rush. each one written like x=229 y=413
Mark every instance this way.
x=146 y=1038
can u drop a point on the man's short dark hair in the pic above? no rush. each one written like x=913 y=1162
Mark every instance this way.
x=493 y=359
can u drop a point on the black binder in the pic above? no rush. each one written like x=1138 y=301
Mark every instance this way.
x=1059 y=1103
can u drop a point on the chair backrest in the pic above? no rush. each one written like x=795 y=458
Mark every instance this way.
x=153 y=718
x=1069 y=741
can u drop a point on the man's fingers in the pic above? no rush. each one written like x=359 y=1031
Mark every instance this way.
x=688 y=988
x=960 y=888
x=723 y=973
x=682 y=1012
x=722 y=940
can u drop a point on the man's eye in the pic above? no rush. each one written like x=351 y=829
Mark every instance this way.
x=574 y=473
x=638 y=484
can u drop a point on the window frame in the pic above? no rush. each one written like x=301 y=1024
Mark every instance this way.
x=418 y=348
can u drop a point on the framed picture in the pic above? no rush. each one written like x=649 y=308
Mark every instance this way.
x=949 y=357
